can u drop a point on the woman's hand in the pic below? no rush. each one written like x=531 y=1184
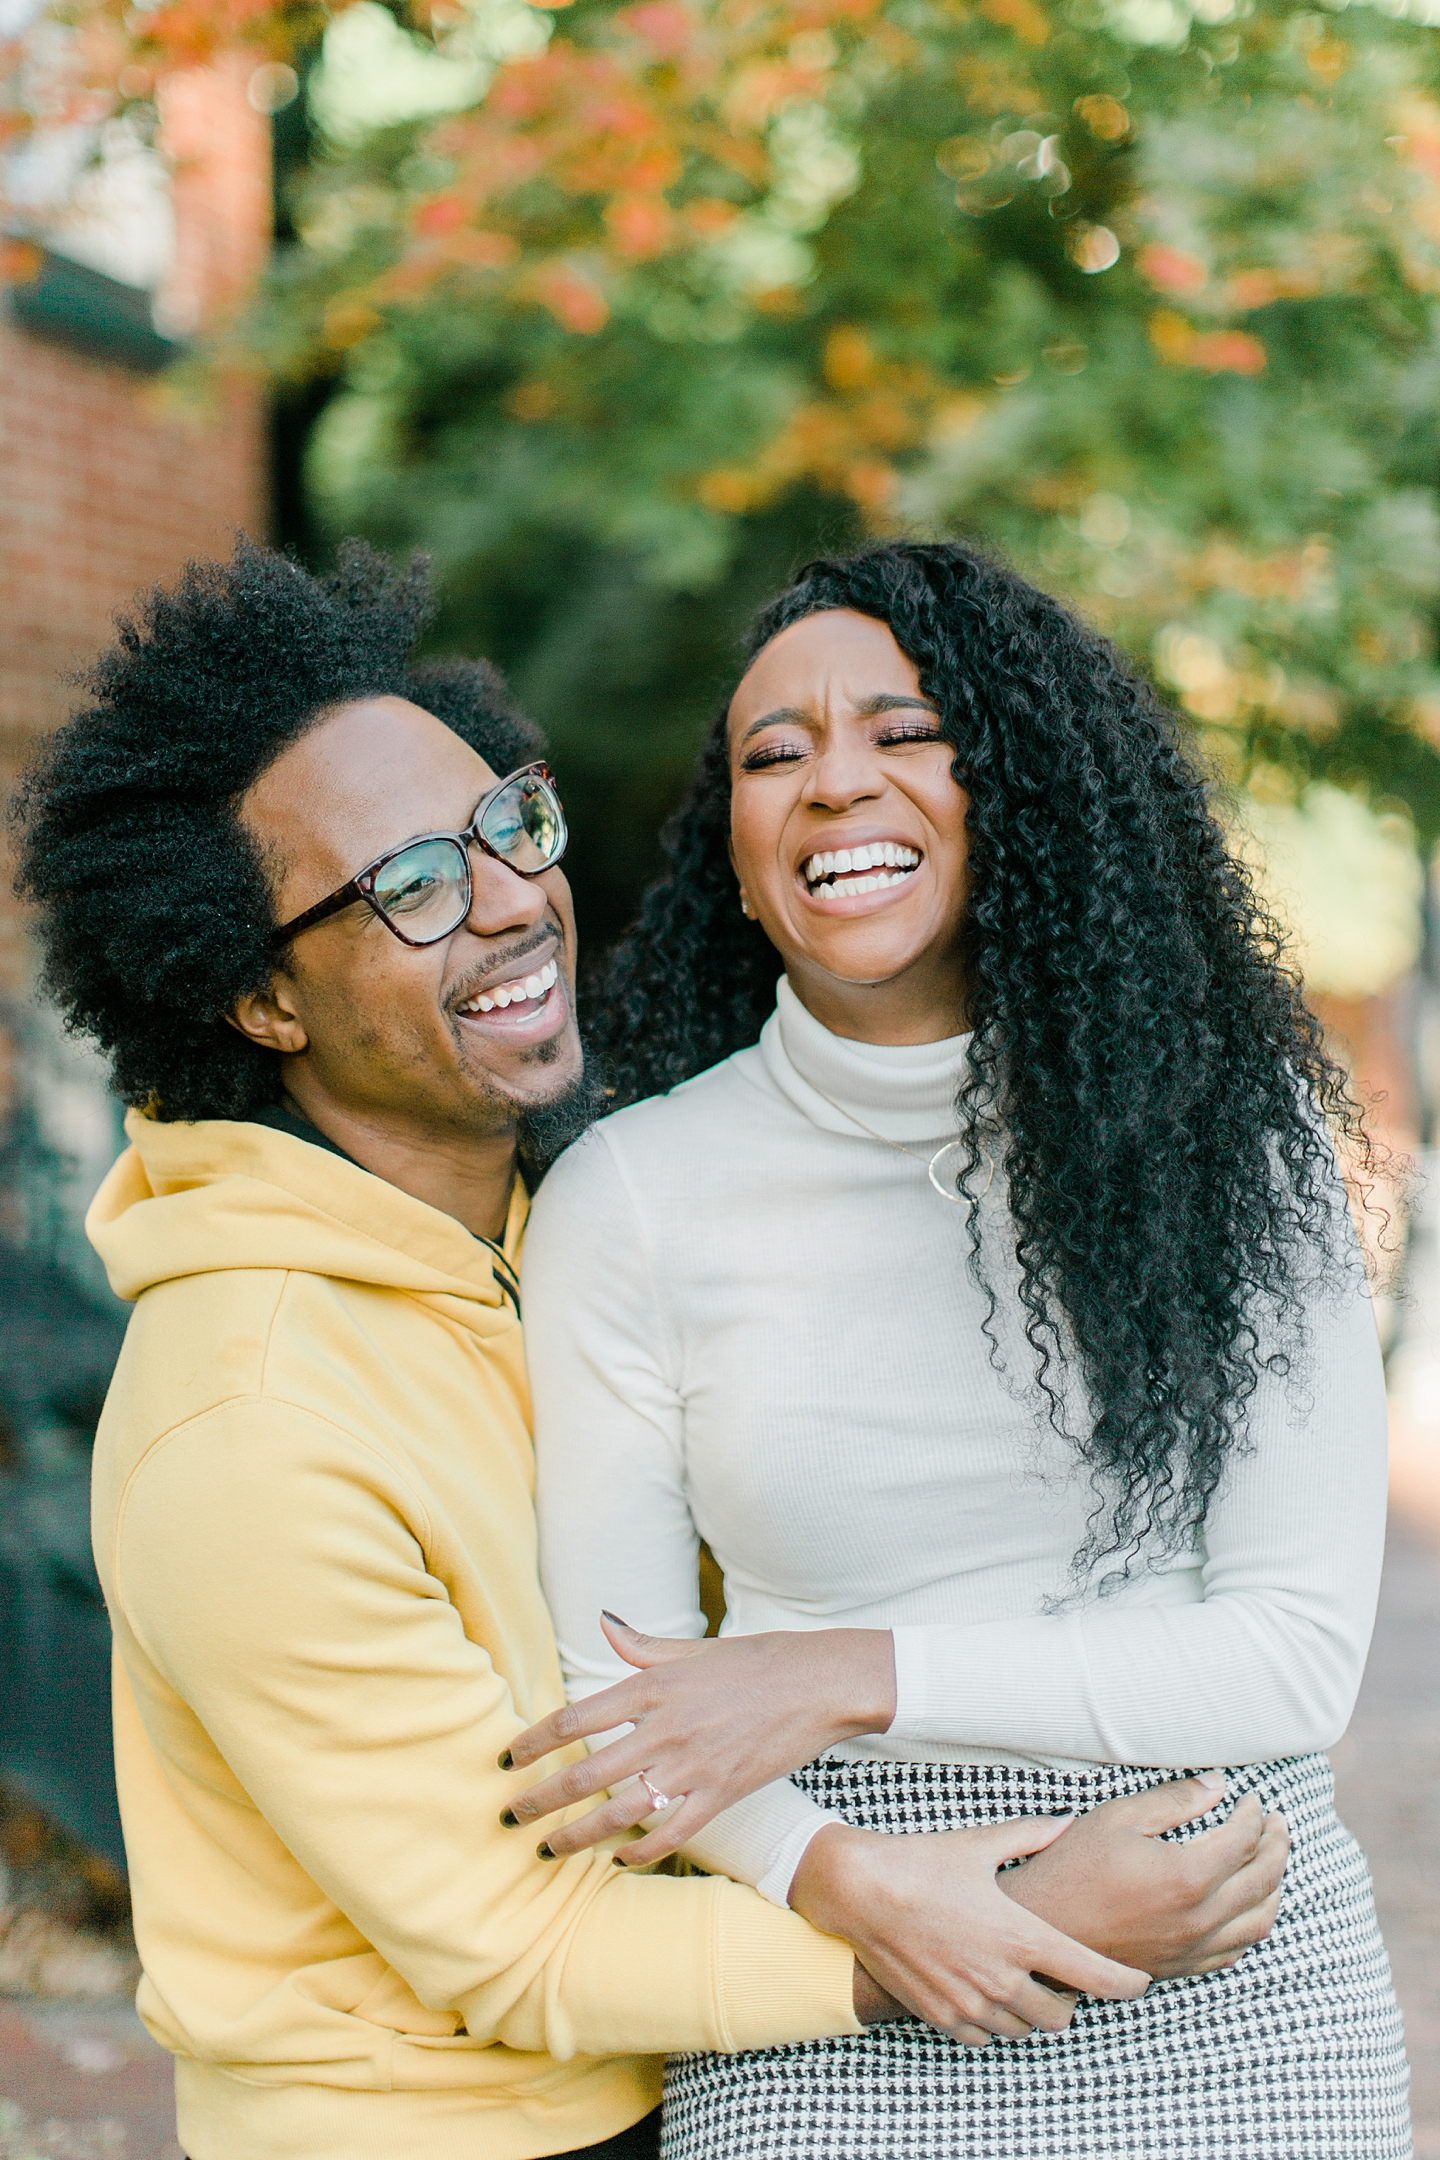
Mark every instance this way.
x=1113 y=1882
x=930 y=1923
x=713 y=1721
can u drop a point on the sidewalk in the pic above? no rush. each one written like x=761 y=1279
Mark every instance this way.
x=1387 y=1781
x=83 y=2082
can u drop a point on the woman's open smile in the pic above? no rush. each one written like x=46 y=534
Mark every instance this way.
x=860 y=870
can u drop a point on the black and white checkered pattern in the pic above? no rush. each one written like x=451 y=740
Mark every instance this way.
x=1293 y=2054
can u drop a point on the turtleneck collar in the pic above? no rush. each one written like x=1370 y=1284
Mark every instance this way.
x=906 y=1092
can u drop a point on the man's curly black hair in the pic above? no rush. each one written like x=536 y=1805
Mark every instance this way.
x=1141 y=1057
x=154 y=907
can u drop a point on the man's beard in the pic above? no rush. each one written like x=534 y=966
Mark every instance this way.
x=547 y=1129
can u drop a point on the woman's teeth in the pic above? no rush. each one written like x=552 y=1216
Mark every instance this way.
x=832 y=876
x=523 y=990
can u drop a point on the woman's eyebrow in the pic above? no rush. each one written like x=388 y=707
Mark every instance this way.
x=886 y=702
x=783 y=716
x=867 y=709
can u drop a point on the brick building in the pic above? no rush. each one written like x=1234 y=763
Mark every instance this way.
x=103 y=487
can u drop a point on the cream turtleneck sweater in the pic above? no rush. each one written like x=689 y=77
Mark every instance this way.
x=748 y=1320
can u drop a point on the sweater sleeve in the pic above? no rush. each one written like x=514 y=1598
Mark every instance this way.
x=615 y=1524
x=332 y=1672
x=1268 y=1663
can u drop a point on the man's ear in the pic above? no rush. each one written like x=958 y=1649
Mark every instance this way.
x=268 y=1017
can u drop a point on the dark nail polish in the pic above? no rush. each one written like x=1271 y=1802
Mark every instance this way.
x=509 y=1820
x=614 y=1619
x=618 y=1860
x=507 y=1760
x=543 y=1852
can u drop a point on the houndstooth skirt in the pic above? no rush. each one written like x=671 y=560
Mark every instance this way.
x=1293 y=2054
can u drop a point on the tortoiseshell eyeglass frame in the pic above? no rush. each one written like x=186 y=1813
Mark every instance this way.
x=362 y=885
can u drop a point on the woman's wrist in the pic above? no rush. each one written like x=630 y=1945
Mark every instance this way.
x=862 y=1680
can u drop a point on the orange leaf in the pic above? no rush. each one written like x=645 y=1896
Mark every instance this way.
x=571 y=299
x=1030 y=23
x=666 y=27
x=19 y=261
x=639 y=225
x=727 y=489
x=1172 y=270
x=445 y=214
x=849 y=358
x=1229 y=352
x=1172 y=336
x=870 y=483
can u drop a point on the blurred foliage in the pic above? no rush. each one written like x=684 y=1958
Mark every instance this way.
x=1147 y=292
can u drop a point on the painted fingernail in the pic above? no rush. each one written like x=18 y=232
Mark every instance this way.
x=1211 y=1780
x=614 y=1619
x=509 y=1820
x=507 y=1760
x=543 y=1852
x=618 y=1860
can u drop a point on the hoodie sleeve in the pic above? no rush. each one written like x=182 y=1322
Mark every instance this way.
x=332 y=1672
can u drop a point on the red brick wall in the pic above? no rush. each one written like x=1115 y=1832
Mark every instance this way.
x=104 y=488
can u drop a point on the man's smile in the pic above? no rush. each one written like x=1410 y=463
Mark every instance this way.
x=528 y=1004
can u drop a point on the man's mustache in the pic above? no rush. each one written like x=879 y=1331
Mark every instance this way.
x=501 y=964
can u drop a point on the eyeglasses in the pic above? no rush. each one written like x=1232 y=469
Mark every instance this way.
x=422 y=891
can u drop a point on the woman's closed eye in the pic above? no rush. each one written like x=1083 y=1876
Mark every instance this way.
x=773 y=753
x=790 y=752
x=892 y=737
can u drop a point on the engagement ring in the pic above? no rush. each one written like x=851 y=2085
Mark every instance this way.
x=658 y=1799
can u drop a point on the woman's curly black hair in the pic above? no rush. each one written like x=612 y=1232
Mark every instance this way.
x=1141 y=1057
x=154 y=907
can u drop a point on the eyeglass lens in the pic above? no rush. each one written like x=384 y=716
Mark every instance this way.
x=524 y=823
x=424 y=889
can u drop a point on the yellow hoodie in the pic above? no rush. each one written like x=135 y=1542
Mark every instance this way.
x=313 y=1522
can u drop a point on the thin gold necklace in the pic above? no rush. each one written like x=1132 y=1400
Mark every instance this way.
x=956 y=1199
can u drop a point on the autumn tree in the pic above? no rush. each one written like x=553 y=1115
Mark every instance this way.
x=1144 y=291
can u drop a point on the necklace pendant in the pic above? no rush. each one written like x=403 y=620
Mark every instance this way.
x=947 y=1192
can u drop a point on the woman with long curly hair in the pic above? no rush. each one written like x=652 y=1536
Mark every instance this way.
x=989 y=1304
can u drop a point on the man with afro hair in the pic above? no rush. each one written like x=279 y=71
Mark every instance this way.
x=312 y=1497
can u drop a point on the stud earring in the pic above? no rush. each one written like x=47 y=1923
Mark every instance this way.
x=744 y=905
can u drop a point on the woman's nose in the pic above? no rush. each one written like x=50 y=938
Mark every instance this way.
x=843 y=774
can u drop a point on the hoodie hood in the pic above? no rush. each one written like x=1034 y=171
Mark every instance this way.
x=200 y=1199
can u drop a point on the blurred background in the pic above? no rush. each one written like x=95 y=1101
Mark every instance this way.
x=619 y=314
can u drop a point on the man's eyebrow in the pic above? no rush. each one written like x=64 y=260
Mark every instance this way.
x=868 y=709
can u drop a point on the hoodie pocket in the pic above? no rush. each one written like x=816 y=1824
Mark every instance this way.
x=394 y=2004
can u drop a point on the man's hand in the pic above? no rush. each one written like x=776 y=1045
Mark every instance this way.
x=930 y=1924
x=1112 y=1882
x=713 y=1721
x=872 y=2005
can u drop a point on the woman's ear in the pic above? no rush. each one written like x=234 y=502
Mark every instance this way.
x=745 y=908
x=268 y=1017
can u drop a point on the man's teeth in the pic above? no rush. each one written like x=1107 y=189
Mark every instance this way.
x=516 y=992
x=888 y=857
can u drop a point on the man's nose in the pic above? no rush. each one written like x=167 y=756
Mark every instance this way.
x=500 y=899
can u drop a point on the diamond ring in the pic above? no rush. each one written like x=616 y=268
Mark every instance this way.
x=658 y=1799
